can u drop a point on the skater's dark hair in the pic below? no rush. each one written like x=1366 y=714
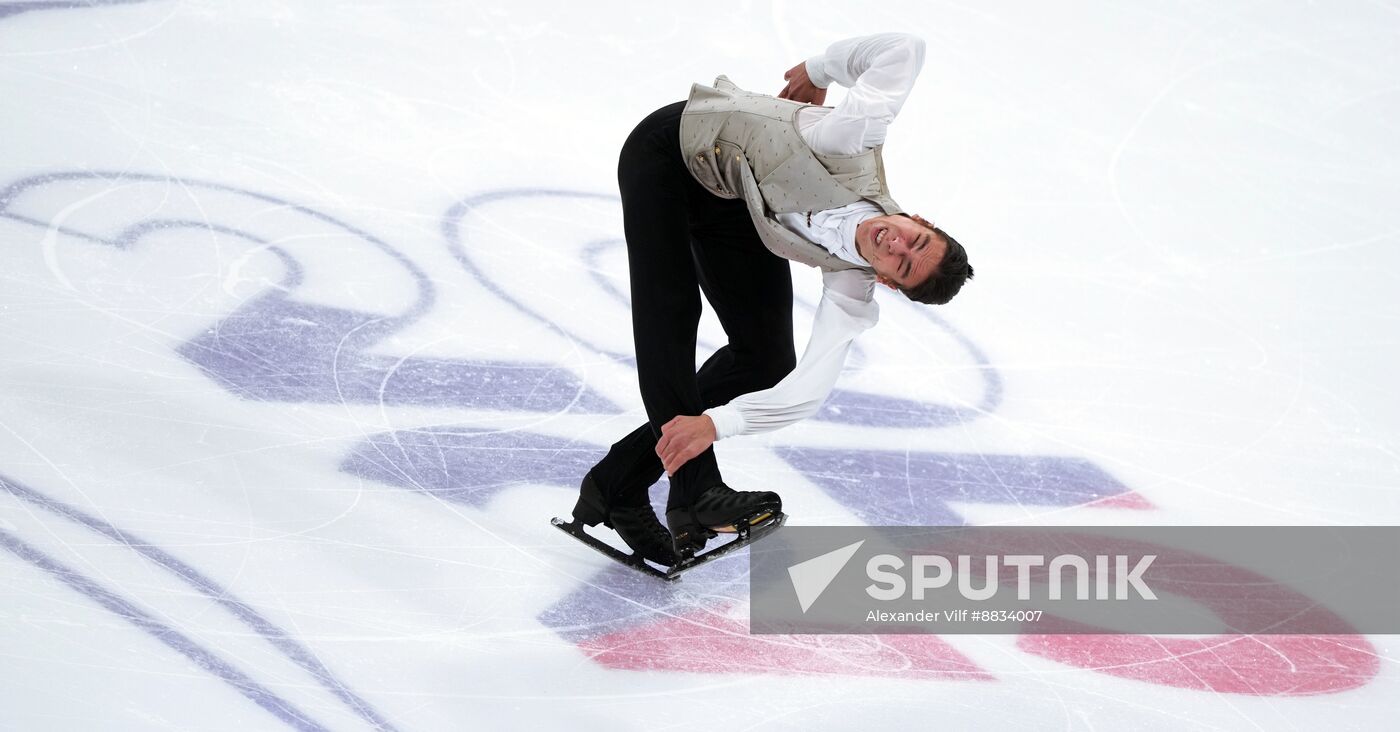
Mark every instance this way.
x=948 y=278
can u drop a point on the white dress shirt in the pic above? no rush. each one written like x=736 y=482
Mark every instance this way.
x=878 y=72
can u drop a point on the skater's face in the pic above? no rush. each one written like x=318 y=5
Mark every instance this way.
x=902 y=251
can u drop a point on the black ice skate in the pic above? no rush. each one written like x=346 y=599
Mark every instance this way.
x=750 y=515
x=637 y=525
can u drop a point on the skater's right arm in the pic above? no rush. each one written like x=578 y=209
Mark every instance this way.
x=847 y=309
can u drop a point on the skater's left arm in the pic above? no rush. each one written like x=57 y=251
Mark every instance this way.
x=847 y=309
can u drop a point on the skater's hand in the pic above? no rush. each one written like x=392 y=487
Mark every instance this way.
x=682 y=439
x=800 y=87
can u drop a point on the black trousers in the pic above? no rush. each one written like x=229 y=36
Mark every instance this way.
x=682 y=240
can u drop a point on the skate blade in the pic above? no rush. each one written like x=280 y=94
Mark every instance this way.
x=732 y=529
x=758 y=527
x=632 y=561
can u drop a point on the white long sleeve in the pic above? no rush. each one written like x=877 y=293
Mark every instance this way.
x=878 y=72
x=847 y=309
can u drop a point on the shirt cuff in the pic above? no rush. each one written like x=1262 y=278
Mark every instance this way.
x=728 y=421
x=817 y=73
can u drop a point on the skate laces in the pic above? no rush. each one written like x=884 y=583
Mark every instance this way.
x=641 y=520
x=723 y=497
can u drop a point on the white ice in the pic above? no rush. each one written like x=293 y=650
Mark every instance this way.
x=310 y=312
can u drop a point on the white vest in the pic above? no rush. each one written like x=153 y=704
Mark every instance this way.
x=738 y=144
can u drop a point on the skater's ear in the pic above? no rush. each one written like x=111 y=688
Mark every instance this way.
x=947 y=279
x=920 y=220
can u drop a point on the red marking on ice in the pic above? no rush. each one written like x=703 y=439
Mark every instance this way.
x=1131 y=499
x=715 y=643
x=1261 y=665
x=1326 y=656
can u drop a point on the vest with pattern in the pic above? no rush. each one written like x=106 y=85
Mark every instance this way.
x=738 y=144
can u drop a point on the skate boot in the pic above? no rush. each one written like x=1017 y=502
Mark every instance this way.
x=720 y=509
x=636 y=524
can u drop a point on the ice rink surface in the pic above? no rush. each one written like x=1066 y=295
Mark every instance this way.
x=312 y=314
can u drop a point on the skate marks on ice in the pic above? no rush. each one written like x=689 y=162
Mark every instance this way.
x=625 y=620
x=1252 y=665
x=177 y=641
x=205 y=658
x=619 y=618
x=624 y=623
x=889 y=488
x=920 y=488
x=278 y=345
x=469 y=466
x=1330 y=659
x=302 y=339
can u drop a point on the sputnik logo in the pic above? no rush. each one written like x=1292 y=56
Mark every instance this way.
x=810 y=578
